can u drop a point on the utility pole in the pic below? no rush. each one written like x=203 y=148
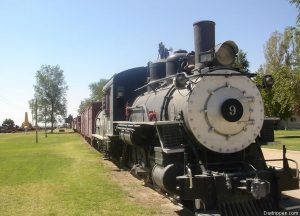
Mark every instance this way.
x=36 y=125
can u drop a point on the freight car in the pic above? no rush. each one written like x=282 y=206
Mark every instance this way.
x=190 y=124
x=77 y=124
x=87 y=120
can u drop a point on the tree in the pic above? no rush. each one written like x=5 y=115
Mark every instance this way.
x=32 y=108
x=282 y=54
x=50 y=91
x=297 y=3
x=241 y=62
x=84 y=104
x=96 y=94
x=267 y=94
x=8 y=123
x=43 y=109
x=44 y=112
x=96 y=90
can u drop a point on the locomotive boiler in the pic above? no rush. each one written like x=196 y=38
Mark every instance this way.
x=191 y=125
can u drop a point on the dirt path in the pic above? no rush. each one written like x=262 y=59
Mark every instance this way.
x=139 y=193
x=277 y=154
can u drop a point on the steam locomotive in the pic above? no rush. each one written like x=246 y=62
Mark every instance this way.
x=192 y=125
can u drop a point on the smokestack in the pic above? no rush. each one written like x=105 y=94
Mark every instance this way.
x=204 y=37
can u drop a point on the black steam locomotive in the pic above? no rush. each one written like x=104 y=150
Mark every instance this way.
x=191 y=125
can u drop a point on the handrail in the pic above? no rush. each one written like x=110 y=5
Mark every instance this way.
x=296 y=163
x=190 y=175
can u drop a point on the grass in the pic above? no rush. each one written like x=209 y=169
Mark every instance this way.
x=60 y=175
x=289 y=138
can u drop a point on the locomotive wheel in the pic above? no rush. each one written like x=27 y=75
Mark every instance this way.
x=137 y=155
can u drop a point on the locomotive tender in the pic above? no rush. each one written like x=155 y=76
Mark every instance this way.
x=191 y=125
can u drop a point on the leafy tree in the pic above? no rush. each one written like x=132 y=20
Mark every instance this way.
x=8 y=123
x=32 y=108
x=267 y=94
x=44 y=112
x=95 y=95
x=50 y=90
x=96 y=89
x=297 y=3
x=84 y=104
x=241 y=62
x=282 y=52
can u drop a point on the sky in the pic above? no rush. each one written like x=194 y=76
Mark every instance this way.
x=94 y=39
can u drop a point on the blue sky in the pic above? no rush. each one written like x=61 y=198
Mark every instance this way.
x=92 y=39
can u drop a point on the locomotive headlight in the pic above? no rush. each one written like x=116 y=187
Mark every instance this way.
x=268 y=81
x=225 y=53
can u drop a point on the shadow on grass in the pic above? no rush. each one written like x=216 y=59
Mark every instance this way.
x=289 y=137
x=66 y=132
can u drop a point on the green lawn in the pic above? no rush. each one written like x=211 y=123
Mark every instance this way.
x=289 y=138
x=60 y=175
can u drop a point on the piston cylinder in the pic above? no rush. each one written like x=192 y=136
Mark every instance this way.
x=165 y=177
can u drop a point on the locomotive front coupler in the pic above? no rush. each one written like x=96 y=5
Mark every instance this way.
x=214 y=187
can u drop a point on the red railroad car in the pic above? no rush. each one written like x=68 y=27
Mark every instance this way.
x=77 y=124
x=88 y=117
